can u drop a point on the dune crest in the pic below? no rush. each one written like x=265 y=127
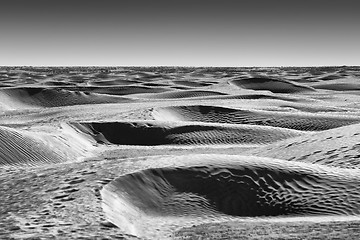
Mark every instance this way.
x=42 y=146
x=273 y=85
x=19 y=148
x=19 y=98
x=339 y=86
x=339 y=147
x=302 y=122
x=183 y=94
x=152 y=133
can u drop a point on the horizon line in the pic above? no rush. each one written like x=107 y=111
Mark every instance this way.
x=174 y=66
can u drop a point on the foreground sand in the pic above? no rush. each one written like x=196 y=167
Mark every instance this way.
x=184 y=153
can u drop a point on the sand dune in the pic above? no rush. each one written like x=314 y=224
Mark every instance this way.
x=182 y=94
x=113 y=82
x=155 y=84
x=331 y=77
x=273 y=85
x=186 y=93
x=51 y=83
x=303 y=122
x=231 y=185
x=339 y=86
x=42 y=146
x=261 y=96
x=118 y=90
x=20 y=148
x=152 y=133
x=338 y=147
x=299 y=107
x=193 y=83
x=14 y=98
x=179 y=152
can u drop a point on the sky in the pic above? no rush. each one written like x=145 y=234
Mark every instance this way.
x=179 y=33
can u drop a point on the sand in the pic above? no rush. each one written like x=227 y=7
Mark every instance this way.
x=179 y=153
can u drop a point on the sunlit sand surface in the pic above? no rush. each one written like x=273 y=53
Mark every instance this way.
x=180 y=153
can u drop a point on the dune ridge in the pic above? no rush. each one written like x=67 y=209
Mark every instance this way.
x=20 y=149
x=112 y=82
x=192 y=83
x=338 y=86
x=217 y=185
x=15 y=98
x=184 y=94
x=152 y=133
x=261 y=96
x=41 y=146
x=339 y=147
x=118 y=90
x=270 y=84
x=302 y=122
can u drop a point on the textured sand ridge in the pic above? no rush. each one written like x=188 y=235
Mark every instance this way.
x=20 y=148
x=338 y=147
x=231 y=185
x=193 y=83
x=179 y=153
x=260 y=96
x=184 y=94
x=159 y=133
x=43 y=146
x=304 y=122
x=273 y=85
x=119 y=90
x=14 y=98
x=339 y=86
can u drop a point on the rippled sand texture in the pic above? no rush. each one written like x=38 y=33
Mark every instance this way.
x=184 y=153
x=230 y=185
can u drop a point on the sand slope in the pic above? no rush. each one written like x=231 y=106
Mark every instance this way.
x=40 y=146
x=339 y=86
x=183 y=94
x=231 y=185
x=303 y=122
x=152 y=133
x=273 y=85
x=338 y=147
x=179 y=152
x=18 y=98
x=19 y=148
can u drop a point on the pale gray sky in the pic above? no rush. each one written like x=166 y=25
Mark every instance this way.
x=180 y=33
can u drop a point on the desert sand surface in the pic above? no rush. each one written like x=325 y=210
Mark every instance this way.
x=179 y=153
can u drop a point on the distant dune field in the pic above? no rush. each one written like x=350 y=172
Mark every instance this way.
x=179 y=153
